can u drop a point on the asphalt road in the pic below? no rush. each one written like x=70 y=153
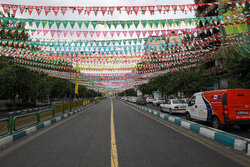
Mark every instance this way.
x=234 y=130
x=141 y=141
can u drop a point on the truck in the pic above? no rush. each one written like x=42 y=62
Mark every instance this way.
x=221 y=108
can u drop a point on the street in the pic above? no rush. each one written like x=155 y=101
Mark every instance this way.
x=85 y=140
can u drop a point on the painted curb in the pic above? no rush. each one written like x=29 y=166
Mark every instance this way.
x=228 y=139
x=29 y=110
x=25 y=132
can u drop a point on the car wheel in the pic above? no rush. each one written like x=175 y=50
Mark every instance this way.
x=216 y=123
x=188 y=117
x=161 y=110
x=245 y=127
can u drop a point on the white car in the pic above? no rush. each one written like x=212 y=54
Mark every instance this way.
x=149 y=99
x=174 y=106
x=133 y=99
x=157 y=101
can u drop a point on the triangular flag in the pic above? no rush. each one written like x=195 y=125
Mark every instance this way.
x=118 y=33
x=156 y=23
x=14 y=8
x=59 y=32
x=124 y=33
x=88 y=10
x=44 y=22
x=78 y=33
x=86 y=23
x=71 y=33
x=115 y=23
x=111 y=10
x=55 y=9
x=52 y=32
x=98 y=33
x=72 y=23
x=144 y=33
x=123 y=23
x=58 y=23
x=163 y=23
x=104 y=9
x=182 y=7
x=5 y=8
x=151 y=9
x=150 y=32
x=131 y=33
x=79 y=23
x=143 y=9
x=94 y=23
x=136 y=23
x=30 y=9
x=129 y=22
x=46 y=10
x=144 y=23
x=135 y=9
x=174 y=7
x=22 y=8
x=65 y=32
x=159 y=7
x=45 y=32
x=150 y=22
x=127 y=9
x=50 y=22
x=85 y=33
x=80 y=9
x=64 y=9
x=112 y=33
x=138 y=33
x=109 y=23
x=37 y=23
x=65 y=23
x=167 y=8
x=96 y=9
x=104 y=33
x=39 y=10
x=189 y=6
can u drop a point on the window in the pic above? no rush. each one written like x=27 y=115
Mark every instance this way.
x=192 y=101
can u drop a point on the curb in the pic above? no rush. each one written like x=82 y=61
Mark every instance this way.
x=236 y=142
x=28 y=110
x=20 y=134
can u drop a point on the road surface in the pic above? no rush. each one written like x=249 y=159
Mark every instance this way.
x=111 y=133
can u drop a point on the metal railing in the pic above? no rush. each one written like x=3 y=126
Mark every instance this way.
x=16 y=123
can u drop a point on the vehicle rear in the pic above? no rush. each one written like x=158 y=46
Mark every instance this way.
x=237 y=107
x=178 y=106
x=141 y=101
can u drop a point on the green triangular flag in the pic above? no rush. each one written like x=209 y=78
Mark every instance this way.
x=94 y=23
x=129 y=22
x=215 y=18
x=170 y=22
x=203 y=20
x=101 y=22
x=58 y=23
x=150 y=22
x=189 y=21
x=144 y=23
x=86 y=23
x=65 y=23
x=163 y=23
x=119 y=42
x=44 y=22
x=178 y=22
x=115 y=23
x=123 y=23
x=209 y=19
x=109 y=23
x=135 y=40
x=113 y=42
x=79 y=23
x=37 y=23
x=91 y=43
x=72 y=23
x=136 y=23
x=129 y=41
x=196 y=20
x=156 y=22
x=103 y=43
x=50 y=22
x=30 y=22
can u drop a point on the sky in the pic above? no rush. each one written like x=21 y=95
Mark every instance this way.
x=116 y=16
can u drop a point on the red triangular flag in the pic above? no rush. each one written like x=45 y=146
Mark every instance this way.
x=80 y=9
x=111 y=10
x=118 y=8
x=151 y=9
x=22 y=8
x=46 y=10
x=5 y=7
x=182 y=7
x=174 y=7
x=159 y=7
x=135 y=9
x=104 y=9
x=64 y=9
x=88 y=10
x=96 y=9
x=195 y=7
x=143 y=9
x=167 y=7
x=127 y=9
x=14 y=8
x=55 y=9
x=39 y=10
x=30 y=9
x=189 y=6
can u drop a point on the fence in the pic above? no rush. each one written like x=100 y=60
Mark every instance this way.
x=12 y=124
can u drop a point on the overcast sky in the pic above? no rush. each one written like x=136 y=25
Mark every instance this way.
x=116 y=16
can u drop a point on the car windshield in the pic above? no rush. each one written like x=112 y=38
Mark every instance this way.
x=182 y=101
x=176 y=101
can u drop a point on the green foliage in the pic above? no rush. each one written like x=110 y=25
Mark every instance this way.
x=128 y=92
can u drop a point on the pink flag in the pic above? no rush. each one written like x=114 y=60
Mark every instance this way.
x=52 y=32
x=163 y=32
x=71 y=32
x=144 y=33
x=169 y=32
x=38 y=32
x=157 y=32
x=65 y=32
x=78 y=33
x=59 y=32
x=138 y=33
x=112 y=33
x=85 y=33
x=118 y=33
x=104 y=33
x=45 y=32
x=150 y=32
x=98 y=33
x=124 y=33
x=91 y=33
x=131 y=33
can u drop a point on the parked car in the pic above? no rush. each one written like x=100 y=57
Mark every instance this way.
x=133 y=99
x=140 y=101
x=174 y=106
x=221 y=107
x=157 y=101
x=149 y=99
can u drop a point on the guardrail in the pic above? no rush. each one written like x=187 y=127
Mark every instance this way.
x=16 y=123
